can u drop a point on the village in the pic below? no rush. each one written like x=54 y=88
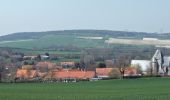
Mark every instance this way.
x=69 y=71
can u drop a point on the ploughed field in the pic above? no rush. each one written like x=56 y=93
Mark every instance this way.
x=127 y=89
x=165 y=43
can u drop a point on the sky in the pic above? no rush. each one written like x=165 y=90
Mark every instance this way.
x=49 y=15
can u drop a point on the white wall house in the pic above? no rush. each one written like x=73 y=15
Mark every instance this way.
x=144 y=64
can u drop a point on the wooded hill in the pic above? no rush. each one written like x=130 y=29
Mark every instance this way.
x=69 y=39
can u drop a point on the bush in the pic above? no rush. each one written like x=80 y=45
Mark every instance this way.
x=115 y=73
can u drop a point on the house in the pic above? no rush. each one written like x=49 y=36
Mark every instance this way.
x=28 y=67
x=43 y=68
x=131 y=71
x=44 y=57
x=45 y=65
x=106 y=72
x=67 y=64
x=73 y=74
x=23 y=74
x=143 y=65
x=30 y=57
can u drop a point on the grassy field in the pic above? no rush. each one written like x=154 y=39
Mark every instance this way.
x=50 y=41
x=136 y=89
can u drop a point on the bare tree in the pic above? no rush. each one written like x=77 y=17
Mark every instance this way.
x=123 y=62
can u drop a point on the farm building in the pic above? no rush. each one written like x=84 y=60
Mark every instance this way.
x=105 y=72
x=27 y=67
x=72 y=74
x=67 y=64
x=43 y=68
x=45 y=65
x=131 y=71
x=44 y=57
x=144 y=65
x=30 y=57
x=23 y=74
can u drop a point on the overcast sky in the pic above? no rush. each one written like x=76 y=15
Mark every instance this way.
x=123 y=15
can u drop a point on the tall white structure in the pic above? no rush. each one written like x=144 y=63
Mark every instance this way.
x=143 y=64
x=157 y=63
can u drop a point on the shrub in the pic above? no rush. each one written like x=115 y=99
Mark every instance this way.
x=115 y=73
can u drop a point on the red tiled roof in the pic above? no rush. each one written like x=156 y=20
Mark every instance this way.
x=130 y=71
x=73 y=74
x=46 y=64
x=22 y=73
x=103 y=71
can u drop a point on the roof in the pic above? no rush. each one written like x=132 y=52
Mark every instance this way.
x=50 y=65
x=103 y=71
x=27 y=67
x=67 y=63
x=130 y=71
x=157 y=56
x=22 y=73
x=30 y=57
x=73 y=74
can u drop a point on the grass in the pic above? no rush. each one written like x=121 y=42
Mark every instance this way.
x=136 y=89
x=50 y=41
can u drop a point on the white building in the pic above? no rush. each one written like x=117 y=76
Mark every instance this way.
x=157 y=62
x=143 y=64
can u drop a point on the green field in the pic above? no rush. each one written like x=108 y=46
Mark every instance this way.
x=50 y=41
x=132 y=89
x=35 y=52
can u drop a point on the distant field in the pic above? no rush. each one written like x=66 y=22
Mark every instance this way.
x=132 y=89
x=138 y=42
x=79 y=41
x=36 y=52
x=92 y=38
x=50 y=41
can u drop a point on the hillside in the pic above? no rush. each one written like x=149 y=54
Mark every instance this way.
x=70 y=38
x=35 y=35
